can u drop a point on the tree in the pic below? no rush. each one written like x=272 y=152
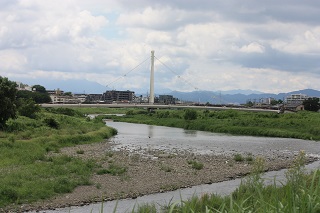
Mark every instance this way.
x=280 y=101
x=39 y=88
x=311 y=104
x=8 y=93
x=27 y=107
x=249 y=104
x=274 y=102
x=67 y=93
x=190 y=114
x=38 y=97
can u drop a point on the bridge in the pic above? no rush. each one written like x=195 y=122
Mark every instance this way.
x=159 y=106
x=151 y=105
x=151 y=88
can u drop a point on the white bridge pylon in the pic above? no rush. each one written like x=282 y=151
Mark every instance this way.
x=151 y=98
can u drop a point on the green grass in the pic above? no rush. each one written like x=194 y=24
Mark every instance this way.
x=28 y=173
x=113 y=169
x=300 y=193
x=302 y=125
x=196 y=164
x=238 y=157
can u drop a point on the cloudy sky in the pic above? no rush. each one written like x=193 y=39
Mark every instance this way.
x=269 y=46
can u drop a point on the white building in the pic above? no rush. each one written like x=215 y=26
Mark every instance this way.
x=21 y=86
x=296 y=99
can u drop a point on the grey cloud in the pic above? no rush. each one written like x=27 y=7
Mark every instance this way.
x=4 y=4
x=243 y=11
x=274 y=59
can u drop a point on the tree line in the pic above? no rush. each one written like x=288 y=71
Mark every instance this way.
x=19 y=102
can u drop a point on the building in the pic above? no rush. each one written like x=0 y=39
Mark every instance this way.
x=296 y=99
x=167 y=99
x=267 y=101
x=118 y=96
x=55 y=92
x=64 y=99
x=21 y=86
x=93 y=98
x=81 y=97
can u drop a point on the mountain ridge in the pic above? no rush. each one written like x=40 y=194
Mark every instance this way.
x=77 y=86
x=219 y=98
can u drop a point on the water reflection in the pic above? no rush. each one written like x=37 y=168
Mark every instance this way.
x=136 y=137
x=190 y=133
x=150 y=129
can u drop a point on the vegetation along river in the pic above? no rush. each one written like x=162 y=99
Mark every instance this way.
x=146 y=140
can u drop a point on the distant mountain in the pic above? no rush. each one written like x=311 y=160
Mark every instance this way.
x=239 y=91
x=235 y=98
x=213 y=97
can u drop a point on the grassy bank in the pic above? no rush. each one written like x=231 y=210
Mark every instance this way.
x=303 y=125
x=300 y=193
x=27 y=172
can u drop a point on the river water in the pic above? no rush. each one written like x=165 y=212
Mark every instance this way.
x=143 y=138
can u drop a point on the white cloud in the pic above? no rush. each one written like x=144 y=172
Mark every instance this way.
x=253 y=47
x=12 y=61
x=307 y=42
x=213 y=45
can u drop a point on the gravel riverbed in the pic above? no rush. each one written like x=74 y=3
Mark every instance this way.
x=148 y=172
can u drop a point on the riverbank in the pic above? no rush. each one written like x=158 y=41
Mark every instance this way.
x=28 y=173
x=52 y=162
x=301 y=125
x=149 y=172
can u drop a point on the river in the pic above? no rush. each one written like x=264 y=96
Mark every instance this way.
x=143 y=138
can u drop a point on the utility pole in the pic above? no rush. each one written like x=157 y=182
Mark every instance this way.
x=151 y=98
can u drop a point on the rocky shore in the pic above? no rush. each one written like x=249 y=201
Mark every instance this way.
x=149 y=172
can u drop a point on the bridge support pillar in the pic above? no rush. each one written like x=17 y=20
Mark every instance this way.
x=151 y=98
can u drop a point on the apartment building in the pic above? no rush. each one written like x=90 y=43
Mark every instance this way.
x=118 y=96
x=296 y=99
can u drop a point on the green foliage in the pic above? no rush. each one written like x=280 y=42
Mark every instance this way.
x=190 y=114
x=51 y=122
x=311 y=104
x=80 y=151
x=113 y=169
x=67 y=93
x=196 y=164
x=39 y=88
x=238 y=157
x=28 y=173
x=38 y=97
x=8 y=93
x=27 y=107
x=300 y=193
x=65 y=111
x=303 y=125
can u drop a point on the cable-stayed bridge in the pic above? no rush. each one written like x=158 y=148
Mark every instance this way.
x=152 y=78
x=151 y=105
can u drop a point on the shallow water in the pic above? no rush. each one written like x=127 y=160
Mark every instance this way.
x=143 y=138
x=137 y=137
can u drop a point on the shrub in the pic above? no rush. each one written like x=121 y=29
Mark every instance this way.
x=196 y=165
x=113 y=169
x=27 y=107
x=51 y=122
x=190 y=114
x=65 y=111
x=238 y=157
x=80 y=151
